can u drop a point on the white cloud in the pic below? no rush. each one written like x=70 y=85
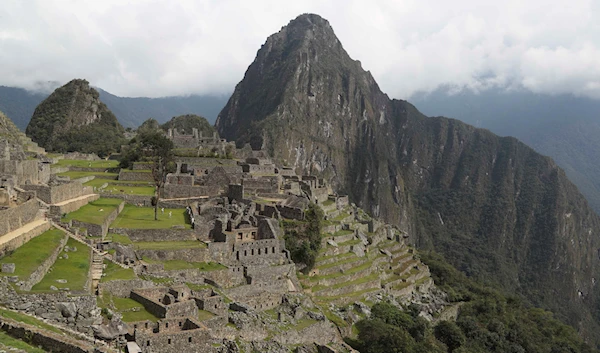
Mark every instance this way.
x=164 y=47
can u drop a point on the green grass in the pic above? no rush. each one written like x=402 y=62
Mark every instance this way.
x=137 y=170
x=81 y=174
x=113 y=272
x=341 y=216
x=350 y=242
x=97 y=182
x=194 y=286
x=124 y=306
x=118 y=238
x=74 y=269
x=134 y=217
x=338 y=256
x=11 y=342
x=304 y=323
x=30 y=256
x=351 y=271
x=169 y=245
x=144 y=188
x=360 y=280
x=204 y=315
x=173 y=265
x=342 y=261
x=328 y=203
x=91 y=213
x=28 y=320
x=87 y=164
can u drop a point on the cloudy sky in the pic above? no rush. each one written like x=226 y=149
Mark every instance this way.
x=167 y=47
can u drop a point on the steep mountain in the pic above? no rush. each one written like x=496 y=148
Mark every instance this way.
x=563 y=127
x=73 y=118
x=20 y=104
x=494 y=207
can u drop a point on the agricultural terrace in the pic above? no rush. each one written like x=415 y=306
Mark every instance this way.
x=74 y=268
x=133 y=217
x=94 y=212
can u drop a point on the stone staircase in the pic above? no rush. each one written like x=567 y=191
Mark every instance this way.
x=96 y=270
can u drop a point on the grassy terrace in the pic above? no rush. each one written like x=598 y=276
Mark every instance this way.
x=113 y=272
x=350 y=271
x=94 y=212
x=338 y=256
x=87 y=164
x=129 y=190
x=13 y=343
x=169 y=245
x=174 y=265
x=341 y=216
x=134 y=217
x=118 y=238
x=328 y=203
x=204 y=315
x=81 y=174
x=30 y=256
x=136 y=170
x=132 y=311
x=342 y=261
x=361 y=280
x=74 y=269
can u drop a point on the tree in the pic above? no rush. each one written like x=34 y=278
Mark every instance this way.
x=158 y=149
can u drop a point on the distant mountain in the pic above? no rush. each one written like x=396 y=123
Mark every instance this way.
x=564 y=127
x=498 y=210
x=132 y=112
x=73 y=118
x=19 y=104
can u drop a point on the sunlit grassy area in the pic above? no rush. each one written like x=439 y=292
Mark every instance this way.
x=132 y=311
x=30 y=256
x=118 y=238
x=128 y=190
x=13 y=343
x=80 y=174
x=87 y=164
x=94 y=212
x=169 y=245
x=74 y=269
x=134 y=217
x=113 y=272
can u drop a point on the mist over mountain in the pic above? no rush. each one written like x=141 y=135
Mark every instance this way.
x=19 y=104
x=564 y=127
x=498 y=210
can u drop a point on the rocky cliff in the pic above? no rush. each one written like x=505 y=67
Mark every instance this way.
x=498 y=210
x=73 y=118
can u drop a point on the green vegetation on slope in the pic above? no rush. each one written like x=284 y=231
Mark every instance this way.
x=73 y=118
x=303 y=239
x=185 y=124
x=94 y=212
x=74 y=269
x=488 y=321
x=9 y=342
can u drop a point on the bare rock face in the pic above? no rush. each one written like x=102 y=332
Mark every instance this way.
x=73 y=118
x=447 y=185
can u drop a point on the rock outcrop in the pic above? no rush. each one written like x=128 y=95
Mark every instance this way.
x=498 y=210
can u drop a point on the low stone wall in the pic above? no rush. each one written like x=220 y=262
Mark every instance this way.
x=139 y=176
x=156 y=234
x=122 y=288
x=199 y=341
x=49 y=341
x=57 y=170
x=154 y=308
x=56 y=212
x=175 y=191
x=23 y=238
x=145 y=201
x=99 y=229
x=40 y=272
x=349 y=289
x=59 y=193
x=189 y=255
x=16 y=217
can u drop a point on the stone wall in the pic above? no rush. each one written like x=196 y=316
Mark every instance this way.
x=16 y=217
x=40 y=272
x=122 y=288
x=59 y=193
x=199 y=341
x=189 y=255
x=156 y=234
x=153 y=307
x=139 y=176
x=267 y=251
x=145 y=201
x=291 y=212
x=175 y=191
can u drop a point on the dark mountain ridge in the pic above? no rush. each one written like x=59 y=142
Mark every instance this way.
x=494 y=207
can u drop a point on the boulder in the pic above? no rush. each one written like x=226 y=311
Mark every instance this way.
x=8 y=268
x=67 y=310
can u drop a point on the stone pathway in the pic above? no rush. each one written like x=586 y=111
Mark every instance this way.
x=96 y=270
x=20 y=231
